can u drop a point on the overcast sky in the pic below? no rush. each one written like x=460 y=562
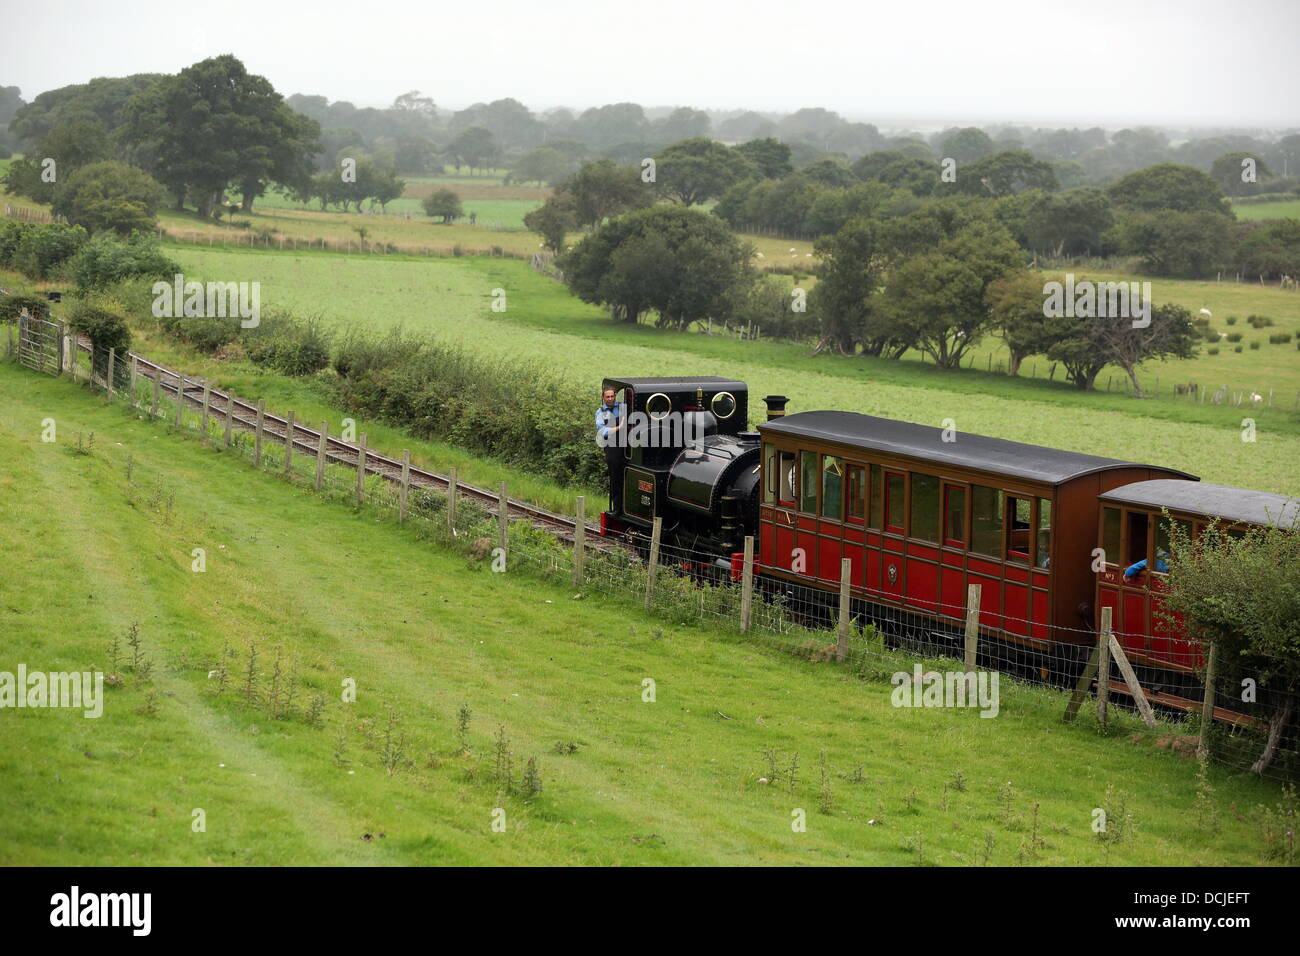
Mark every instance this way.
x=1105 y=62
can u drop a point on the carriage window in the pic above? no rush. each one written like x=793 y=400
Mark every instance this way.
x=954 y=520
x=787 y=478
x=857 y=503
x=1110 y=534
x=808 y=482
x=894 y=514
x=1135 y=548
x=769 y=474
x=925 y=507
x=877 y=497
x=1164 y=546
x=986 y=521
x=832 y=487
x=1018 y=528
x=1043 y=538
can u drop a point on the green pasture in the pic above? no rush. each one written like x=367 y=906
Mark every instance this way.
x=451 y=299
x=100 y=534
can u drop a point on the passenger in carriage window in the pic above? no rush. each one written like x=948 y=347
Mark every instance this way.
x=1135 y=570
x=1043 y=554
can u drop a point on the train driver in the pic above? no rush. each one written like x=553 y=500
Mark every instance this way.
x=609 y=427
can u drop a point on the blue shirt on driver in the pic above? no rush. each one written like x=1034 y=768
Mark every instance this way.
x=607 y=416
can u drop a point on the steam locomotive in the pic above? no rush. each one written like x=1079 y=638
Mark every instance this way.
x=921 y=513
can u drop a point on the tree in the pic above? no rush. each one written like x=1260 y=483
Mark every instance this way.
x=697 y=170
x=683 y=264
x=937 y=299
x=1170 y=334
x=215 y=124
x=444 y=203
x=553 y=221
x=1270 y=249
x=475 y=147
x=847 y=286
x=1006 y=173
x=1016 y=306
x=1187 y=244
x=611 y=124
x=966 y=145
x=603 y=189
x=1230 y=172
x=1076 y=349
x=1069 y=223
x=110 y=196
x=771 y=157
x=1168 y=186
x=682 y=123
x=542 y=165
x=1240 y=595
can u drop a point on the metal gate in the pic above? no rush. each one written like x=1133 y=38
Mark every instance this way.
x=40 y=344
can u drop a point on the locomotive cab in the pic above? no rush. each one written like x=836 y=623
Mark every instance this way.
x=687 y=458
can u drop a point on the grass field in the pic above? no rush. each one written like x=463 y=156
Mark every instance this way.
x=451 y=300
x=1289 y=209
x=341 y=594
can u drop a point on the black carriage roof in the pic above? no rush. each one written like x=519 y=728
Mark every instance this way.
x=995 y=455
x=675 y=382
x=1221 y=501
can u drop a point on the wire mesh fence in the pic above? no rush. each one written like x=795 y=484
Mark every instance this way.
x=920 y=653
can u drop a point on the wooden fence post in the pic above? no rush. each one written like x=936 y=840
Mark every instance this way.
x=653 y=568
x=230 y=418
x=361 y=469
x=1103 y=666
x=503 y=519
x=579 y=541
x=180 y=398
x=320 y=453
x=1130 y=678
x=257 y=431
x=157 y=387
x=747 y=585
x=406 y=484
x=452 y=494
x=135 y=382
x=1207 y=705
x=842 y=633
x=288 y=443
x=112 y=362
x=207 y=406
x=972 y=626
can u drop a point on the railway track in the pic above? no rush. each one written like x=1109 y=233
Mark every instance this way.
x=307 y=440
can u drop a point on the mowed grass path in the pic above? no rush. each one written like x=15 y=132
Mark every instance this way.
x=85 y=553
x=451 y=299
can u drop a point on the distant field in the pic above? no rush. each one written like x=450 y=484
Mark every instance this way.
x=1268 y=210
x=451 y=300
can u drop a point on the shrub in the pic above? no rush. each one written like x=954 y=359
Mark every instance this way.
x=289 y=346
x=1254 y=345
x=105 y=328
x=102 y=262
x=1213 y=351
x=1236 y=348
x=1232 y=320
x=44 y=248
x=12 y=305
x=1281 y=338
x=11 y=234
x=1258 y=321
x=1234 y=336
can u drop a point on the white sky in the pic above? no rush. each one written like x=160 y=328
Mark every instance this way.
x=924 y=62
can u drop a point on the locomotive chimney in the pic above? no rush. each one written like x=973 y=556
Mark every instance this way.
x=775 y=406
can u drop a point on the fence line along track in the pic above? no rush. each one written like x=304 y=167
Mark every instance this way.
x=243 y=415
